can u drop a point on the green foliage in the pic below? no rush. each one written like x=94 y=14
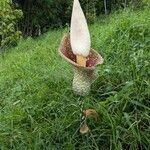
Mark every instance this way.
x=89 y=7
x=146 y=3
x=44 y=14
x=38 y=109
x=9 y=34
x=40 y=15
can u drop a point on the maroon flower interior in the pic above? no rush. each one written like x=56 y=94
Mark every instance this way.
x=65 y=50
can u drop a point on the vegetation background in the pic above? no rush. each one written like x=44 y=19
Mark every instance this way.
x=38 y=109
x=34 y=17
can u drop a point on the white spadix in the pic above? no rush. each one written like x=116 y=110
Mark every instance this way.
x=79 y=33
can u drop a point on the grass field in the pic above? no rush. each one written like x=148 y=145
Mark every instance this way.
x=39 y=111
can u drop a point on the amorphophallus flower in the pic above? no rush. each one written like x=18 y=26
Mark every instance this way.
x=83 y=76
x=79 y=34
x=76 y=49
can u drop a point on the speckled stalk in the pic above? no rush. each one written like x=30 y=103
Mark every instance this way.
x=82 y=81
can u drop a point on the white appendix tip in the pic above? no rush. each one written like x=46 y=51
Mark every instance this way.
x=79 y=33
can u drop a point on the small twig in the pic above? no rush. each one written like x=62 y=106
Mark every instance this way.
x=81 y=104
x=82 y=117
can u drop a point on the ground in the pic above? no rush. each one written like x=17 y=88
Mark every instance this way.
x=38 y=109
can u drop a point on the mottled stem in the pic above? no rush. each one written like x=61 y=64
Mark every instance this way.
x=82 y=81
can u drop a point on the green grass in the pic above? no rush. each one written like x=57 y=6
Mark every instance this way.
x=38 y=109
